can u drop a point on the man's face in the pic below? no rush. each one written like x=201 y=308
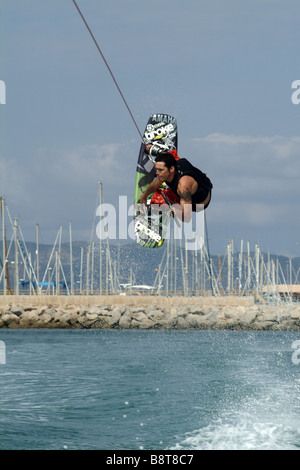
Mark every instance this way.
x=163 y=173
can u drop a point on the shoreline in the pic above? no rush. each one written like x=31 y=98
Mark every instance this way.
x=146 y=312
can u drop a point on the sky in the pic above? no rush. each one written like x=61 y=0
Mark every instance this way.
x=224 y=68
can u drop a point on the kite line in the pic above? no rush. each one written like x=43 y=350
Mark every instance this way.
x=108 y=67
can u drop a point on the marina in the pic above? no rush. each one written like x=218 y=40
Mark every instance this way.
x=102 y=267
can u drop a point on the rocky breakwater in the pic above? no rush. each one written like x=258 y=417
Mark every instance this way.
x=158 y=315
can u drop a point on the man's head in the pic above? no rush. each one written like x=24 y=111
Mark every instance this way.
x=165 y=166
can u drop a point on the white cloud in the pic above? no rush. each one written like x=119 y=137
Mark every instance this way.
x=62 y=168
x=15 y=180
x=251 y=158
x=247 y=139
x=56 y=186
x=256 y=179
x=88 y=162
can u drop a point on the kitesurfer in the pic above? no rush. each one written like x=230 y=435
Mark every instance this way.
x=190 y=184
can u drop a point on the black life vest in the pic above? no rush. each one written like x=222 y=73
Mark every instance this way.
x=184 y=167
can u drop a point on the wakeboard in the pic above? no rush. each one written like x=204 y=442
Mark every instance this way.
x=151 y=225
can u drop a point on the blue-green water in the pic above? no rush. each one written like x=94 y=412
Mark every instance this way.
x=152 y=390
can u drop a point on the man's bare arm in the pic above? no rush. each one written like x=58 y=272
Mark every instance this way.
x=152 y=188
x=184 y=210
x=185 y=191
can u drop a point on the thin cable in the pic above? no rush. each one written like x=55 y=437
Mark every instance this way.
x=208 y=252
x=108 y=67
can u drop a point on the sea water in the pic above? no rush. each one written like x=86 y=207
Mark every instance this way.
x=151 y=390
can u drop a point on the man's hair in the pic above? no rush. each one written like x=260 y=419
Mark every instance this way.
x=167 y=159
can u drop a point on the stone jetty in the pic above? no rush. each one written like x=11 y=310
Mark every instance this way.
x=146 y=312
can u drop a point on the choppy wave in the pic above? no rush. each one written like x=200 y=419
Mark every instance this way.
x=243 y=432
x=262 y=414
x=149 y=390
